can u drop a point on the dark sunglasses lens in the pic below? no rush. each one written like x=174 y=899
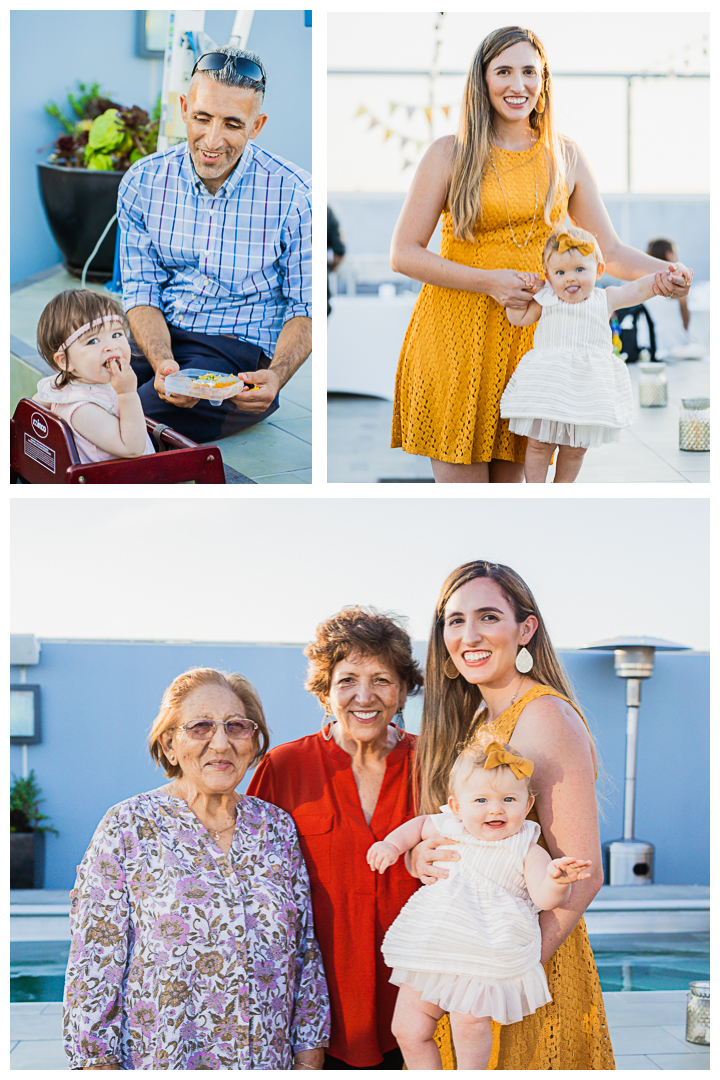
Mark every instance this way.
x=202 y=730
x=239 y=729
x=211 y=62
x=216 y=61
x=249 y=68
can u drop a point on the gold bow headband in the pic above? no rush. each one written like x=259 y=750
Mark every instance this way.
x=566 y=242
x=497 y=755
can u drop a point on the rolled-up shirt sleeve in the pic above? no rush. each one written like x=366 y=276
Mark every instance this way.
x=297 y=259
x=99 y=945
x=142 y=272
x=310 y=1027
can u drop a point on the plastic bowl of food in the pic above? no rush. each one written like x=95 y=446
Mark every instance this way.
x=213 y=386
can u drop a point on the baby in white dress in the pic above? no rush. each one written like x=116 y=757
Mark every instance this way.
x=570 y=390
x=469 y=945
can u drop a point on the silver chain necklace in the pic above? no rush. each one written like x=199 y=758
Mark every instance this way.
x=507 y=209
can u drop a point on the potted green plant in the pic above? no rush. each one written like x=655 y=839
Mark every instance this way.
x=27 y=833
x=98 y=143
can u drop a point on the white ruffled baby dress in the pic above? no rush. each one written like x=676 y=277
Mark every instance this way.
x=471 y=942
x=570 y=388
x=64 y=401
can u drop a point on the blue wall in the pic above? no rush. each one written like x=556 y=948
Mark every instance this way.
x=52 y=49
x=98 y=700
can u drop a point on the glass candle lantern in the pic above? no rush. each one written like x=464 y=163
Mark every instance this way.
x=697 y=1024
x=652 y=385
x=695 y=424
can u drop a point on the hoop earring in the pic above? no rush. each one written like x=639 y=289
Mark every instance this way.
x=540 y=105
x=327 y=734
x=449 y=668
x=400 y=725
x=524 y=661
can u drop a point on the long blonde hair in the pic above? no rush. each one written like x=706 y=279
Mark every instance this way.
x=451 y=706
x=471 y=152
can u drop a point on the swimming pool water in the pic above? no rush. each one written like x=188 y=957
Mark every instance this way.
x=651 y=961
x=625 y=962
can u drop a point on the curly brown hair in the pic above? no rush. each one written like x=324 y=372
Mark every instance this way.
x=181 y=688
x=360 y=631
x=65 y=314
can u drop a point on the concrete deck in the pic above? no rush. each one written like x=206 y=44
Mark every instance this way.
x=358 y=440
x=276 y=451
x=647 y=1028
x=647 y=1032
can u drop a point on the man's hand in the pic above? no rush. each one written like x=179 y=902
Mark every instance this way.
x=267 y=388
x=169 y=367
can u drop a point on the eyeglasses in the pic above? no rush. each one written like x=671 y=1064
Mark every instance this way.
x=237 y=727
x=216 y=61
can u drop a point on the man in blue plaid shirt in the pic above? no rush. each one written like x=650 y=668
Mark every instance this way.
x=216 y=255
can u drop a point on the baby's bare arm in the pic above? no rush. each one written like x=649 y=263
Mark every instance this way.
x=124 y=437
x=530 y=315
x=640 y=290
x=387 y=852
x=549 y=880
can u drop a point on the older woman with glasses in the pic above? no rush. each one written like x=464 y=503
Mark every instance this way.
x=192 y=932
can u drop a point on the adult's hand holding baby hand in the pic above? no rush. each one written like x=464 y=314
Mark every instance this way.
x=426 y=854
x=513 y=289
x=169 y=367
x=674 y=282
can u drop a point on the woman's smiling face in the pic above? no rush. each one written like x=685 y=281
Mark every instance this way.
x=481 y=634
x=514 y=81
x=365 y=694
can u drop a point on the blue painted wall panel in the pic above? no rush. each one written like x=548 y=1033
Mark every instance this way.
x=99 y=700
x=51 y=49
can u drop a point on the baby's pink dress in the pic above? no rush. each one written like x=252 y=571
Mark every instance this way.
x=64 y=401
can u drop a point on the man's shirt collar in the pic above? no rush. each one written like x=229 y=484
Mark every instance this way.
x=232 y=181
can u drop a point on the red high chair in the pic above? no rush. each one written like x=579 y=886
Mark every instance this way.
x=43 y=451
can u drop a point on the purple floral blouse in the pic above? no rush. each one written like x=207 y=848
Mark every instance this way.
x=183 y=957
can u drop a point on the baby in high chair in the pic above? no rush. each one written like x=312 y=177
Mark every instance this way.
x=469 y=945
x=81 y=335
x=570 y=390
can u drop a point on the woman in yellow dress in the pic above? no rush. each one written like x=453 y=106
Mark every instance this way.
x=501 y=185
x=492 y=673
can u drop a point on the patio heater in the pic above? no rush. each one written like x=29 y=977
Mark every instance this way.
x=630 y=861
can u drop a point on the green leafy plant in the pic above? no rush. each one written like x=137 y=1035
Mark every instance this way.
x=25 y=799
x=100 y=134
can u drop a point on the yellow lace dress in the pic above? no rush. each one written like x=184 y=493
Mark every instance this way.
x=460 y=350
x=571 y=1032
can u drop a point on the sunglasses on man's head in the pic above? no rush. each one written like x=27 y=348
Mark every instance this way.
x=216 y=61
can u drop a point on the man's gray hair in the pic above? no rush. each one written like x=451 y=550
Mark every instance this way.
x=228 y=76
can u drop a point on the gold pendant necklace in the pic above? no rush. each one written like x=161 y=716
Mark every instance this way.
x=507 y=209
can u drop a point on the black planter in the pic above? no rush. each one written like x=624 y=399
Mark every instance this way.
x=78 y=204
x=27 y=860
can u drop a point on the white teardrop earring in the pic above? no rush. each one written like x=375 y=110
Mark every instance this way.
x=524 y=661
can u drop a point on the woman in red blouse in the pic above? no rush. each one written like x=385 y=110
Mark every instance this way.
x=346 y=787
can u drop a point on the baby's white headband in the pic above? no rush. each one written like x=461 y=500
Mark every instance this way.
x=89 y=326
